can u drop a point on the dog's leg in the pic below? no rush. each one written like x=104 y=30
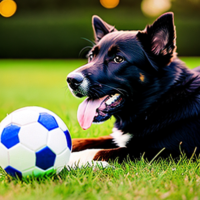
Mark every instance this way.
x=84 y=159
x=120 y=154
x=99 y=150
x=93 y=157
x=105 y=142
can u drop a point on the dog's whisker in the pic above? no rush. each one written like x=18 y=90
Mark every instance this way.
x=95 y=92
x=87 y=47
x=88 y=41
x=120 y=90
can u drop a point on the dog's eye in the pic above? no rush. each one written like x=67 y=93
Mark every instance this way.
x=118 y=59
x=90 y=57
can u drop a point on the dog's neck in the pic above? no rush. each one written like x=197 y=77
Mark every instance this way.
x=163 y=104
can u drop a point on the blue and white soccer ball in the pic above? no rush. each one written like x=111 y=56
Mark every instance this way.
x=33 y=141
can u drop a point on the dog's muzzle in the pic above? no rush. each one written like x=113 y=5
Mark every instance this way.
x=78 y=84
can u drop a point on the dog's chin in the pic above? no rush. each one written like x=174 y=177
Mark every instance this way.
x=101 y=118
x=77 y=94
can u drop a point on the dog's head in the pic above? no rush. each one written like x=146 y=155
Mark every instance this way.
x=122 y=69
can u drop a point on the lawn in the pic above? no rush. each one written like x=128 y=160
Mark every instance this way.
x=42 y=83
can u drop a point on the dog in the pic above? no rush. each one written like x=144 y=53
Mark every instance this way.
x=137 y=77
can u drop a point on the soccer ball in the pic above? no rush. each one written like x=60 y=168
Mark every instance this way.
x=33 y=141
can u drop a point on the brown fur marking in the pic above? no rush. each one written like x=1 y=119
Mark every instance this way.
x=111 y=154
x=104 y=142
x=142 y=77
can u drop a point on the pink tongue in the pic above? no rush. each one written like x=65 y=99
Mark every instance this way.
x=87 y=110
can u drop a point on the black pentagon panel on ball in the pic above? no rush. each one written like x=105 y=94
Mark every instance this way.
x=45 y=158
x=68 y=138
x=9 y=136
x=48 y=121
x=13 y=172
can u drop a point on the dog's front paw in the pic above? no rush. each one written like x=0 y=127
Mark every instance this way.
x=85 y=159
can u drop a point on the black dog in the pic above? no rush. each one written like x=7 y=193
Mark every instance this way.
x=136 y=77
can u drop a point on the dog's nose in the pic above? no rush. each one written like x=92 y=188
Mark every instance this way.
x=74 y=80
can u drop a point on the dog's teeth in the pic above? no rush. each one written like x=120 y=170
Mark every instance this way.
x=112 y=99
x=109 y=101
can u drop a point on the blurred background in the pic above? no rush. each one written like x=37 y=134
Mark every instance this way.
x=62 y=28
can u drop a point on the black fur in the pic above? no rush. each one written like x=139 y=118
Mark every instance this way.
x=161 y=109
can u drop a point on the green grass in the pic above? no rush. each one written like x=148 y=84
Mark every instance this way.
x=42 y=83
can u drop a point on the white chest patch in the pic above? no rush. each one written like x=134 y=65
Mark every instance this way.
x=119 y=138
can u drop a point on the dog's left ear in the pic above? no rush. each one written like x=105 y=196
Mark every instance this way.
x=159 y=39
x=101 y=28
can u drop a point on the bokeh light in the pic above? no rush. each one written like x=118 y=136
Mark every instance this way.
x=8 y=8
x=154 y=8
x=109 y=3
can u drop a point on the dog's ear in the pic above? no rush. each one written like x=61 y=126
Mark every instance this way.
x=100 y=28
x=159 y=39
